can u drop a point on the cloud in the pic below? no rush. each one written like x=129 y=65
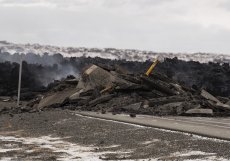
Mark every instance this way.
x=45 y=3
x=160 y=25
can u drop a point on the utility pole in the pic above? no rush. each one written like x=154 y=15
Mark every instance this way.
x=19 y=82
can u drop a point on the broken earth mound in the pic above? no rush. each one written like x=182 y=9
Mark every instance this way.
x=109 y=89
x=112 y=89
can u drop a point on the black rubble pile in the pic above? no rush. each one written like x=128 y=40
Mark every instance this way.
x=113 y=89
x=39 y=71
x=30 y=87
x=54 y=96
x=214 y=77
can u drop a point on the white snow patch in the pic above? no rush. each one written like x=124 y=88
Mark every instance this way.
x=69 y=151
x=128 y=54
x=190 y=153
x=205 y=156
x=214 y=158
x=112 y=146
x=150 y=141
x=211 y=139
x=6 y=159
x=7 y=150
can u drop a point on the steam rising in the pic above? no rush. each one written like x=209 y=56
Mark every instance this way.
x=52 y=67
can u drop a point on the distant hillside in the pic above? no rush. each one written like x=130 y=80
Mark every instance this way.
x=108 y=53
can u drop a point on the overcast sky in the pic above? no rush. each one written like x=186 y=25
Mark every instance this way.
x=158 y=25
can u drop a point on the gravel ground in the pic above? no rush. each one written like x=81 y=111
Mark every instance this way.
x=63 y=135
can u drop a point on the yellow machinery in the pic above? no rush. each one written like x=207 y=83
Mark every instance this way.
x=152 y=67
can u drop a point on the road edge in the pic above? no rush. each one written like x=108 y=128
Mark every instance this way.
x=137 y=122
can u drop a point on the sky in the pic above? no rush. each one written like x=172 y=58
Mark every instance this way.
x=157 y=25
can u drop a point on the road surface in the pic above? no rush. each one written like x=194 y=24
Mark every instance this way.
x=65 y=135
x=204 y=126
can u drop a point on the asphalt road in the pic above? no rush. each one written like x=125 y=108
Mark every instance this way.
x=204 y=126
x=222 y=122
x=65 y=135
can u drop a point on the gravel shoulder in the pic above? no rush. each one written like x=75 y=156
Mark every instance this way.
x=63 y=135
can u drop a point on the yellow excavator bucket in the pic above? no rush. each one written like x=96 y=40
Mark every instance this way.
x=152 y=67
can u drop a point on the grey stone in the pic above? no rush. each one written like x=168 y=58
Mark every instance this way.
x=200 y=111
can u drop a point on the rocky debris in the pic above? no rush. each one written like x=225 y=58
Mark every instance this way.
x=132 y=115
x=214 y=101
x=5 y=99
x=228 y=103
x=100 y=100
x=59 y=93
x=165 y=100
x=208 y=96
x=109 y=89
x=133 y=107
x=200 y=111
x=224 y=100
x=56 y=99
x=105 y=89
x=39 y=71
